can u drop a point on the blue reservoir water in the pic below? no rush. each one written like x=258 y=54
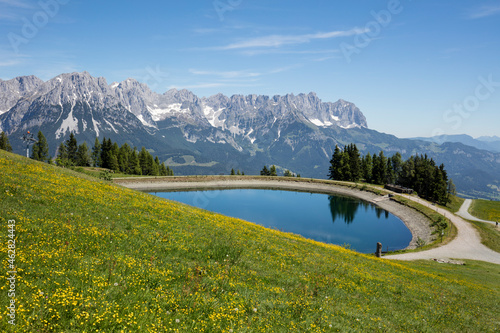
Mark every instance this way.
x=331 y=219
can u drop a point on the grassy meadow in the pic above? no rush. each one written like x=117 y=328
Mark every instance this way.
x=91 y=256
x=485 y=210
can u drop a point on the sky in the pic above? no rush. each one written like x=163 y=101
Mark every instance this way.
x=414 y=68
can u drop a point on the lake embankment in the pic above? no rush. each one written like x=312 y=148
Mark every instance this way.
x=416 y=222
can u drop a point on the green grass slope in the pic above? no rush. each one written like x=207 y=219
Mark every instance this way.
x=93 y=257
x=485 y=209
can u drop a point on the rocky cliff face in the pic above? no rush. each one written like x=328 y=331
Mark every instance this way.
x=78 y=102
x=12 y=91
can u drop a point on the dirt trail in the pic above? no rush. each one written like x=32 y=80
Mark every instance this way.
x=464 y=212
x=467 y=244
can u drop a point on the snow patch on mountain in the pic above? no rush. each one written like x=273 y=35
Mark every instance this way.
x=96 y=126
x=252 y=140
x=144 y=122
x=111 y=125
x=160 y=113
x=213 y=116
x=70 y=124
x=318 y=122
x=235 y=130
x=350 y=126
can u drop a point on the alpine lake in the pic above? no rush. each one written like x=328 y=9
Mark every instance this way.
x=339 y=220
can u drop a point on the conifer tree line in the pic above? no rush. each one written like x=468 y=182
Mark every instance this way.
x=273 y=172
x=237 y=173
x=419 y=172
x=109 y=155
x=4 y=142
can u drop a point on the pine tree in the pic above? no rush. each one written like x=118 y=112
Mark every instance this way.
x=147 y=163
x=451 y=187
x=163 y=170
x=272 y=171
x=123 y=157
x=439 y=188
x=232 y=172
x=113 y=162
x=106 y=153
x=4 y=142
x=143 y=161
x=83 y=155
x=155 y=168
x=345 y=167
x=390 y=175
x=72 y=148
x=265 y=171
x=62 y=153
x=335 y=166
x=366 y=167
x=354 y=163
x=134 y=167
x=96 y=153
x=379 y=168
x=62 y=156
x=41 y=149
x=115 y=149
x=397 y=165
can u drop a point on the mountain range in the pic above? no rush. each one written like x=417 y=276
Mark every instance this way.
x=491 y=143
x=215 y=134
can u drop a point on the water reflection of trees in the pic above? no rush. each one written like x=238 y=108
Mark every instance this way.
x=346 y=208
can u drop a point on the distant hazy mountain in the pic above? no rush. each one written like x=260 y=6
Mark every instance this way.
x=491 y=143
x=213 y=135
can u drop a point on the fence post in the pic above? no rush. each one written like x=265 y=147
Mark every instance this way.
x=378 y=253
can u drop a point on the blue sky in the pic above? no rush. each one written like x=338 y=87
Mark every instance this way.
x=414 y=68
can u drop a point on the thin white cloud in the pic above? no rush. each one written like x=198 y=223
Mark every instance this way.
x=9 y=63
x=198 y=86
x=227 y=74
x=206 y=31
x=16 y=3
x=275 y=41
x=212 y=85
x=247 y=75
x=484 y=11
x=282 y=51
x=324 y=59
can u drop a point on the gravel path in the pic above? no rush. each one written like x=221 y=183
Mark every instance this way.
x=464 y=212
x=467 y=244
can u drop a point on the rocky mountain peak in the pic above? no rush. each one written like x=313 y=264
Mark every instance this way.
x=13 y=90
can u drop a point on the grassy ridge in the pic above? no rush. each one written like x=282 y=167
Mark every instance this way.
x=486 y=210
x=490 y=234
x=94 y=257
